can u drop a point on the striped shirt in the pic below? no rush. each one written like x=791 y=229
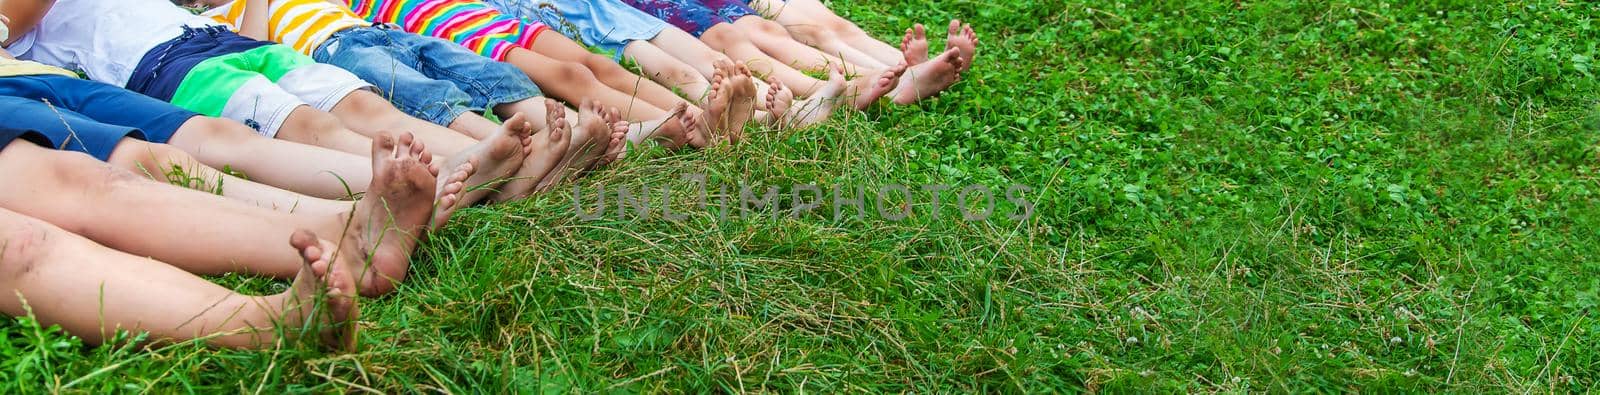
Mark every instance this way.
x=471 y=23
x=301 y=24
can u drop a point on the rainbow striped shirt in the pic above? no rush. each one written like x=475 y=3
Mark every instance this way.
x=471 y=23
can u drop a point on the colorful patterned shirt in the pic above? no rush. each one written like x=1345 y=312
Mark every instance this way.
x=471 y=23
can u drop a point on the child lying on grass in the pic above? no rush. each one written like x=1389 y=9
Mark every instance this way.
x=432 y=79
x=567 y=71
x=193 y=62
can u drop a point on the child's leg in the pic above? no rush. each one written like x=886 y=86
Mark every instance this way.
x=93 y=291
x=666 y=69
x=607 y=71
x=495 y=158
x=308 y=125
x=303 y=168
x=863 y=89
x=575 y=83
x=165 y=163
x=694 y=53
x=209 y=234
x=424 y=85
x=216 y=142
x=731 y=41
x=814 y=24
x=774 y=40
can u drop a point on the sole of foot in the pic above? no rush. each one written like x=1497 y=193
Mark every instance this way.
x=719 y=101
x=868 y=89
x=930 y=78
x=779 y=99
x=822 y=103
x=915 y=44
x=742 y=92
x=445 y=203
x=587 y=144
x=619 y=136
x=327 y=302
x=961 y=35
x=390 y=218
x=682 y=127
x=497 y=158
x=545 y=156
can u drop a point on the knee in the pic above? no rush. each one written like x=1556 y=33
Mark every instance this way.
x=720 y=37
x=77 y=171
x=574 y=72
x=812 y=33
x=762 y=27
x=679 y=73
x=82 y=174
x=367 y=104
x=840 y=26
x=307 y=123
x=151 y=160
x=215 y=130
x=22 y=244
x=601 y=65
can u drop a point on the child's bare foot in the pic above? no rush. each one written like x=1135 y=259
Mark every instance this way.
x=779 y=100
x=915 y=44
x=819 y=107
x=928 y=79
x=742 y=93
x=962 y=36
x=497 y=158
x=545 y=156
x=619 y=135
x=868 y=89
x=335 y=319
x=444 y=204
x=681 y=127
x=588 y=144
x=383 y=229
x=719 y=102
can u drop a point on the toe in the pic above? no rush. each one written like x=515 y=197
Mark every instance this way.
x=406 y=139
x=383 y=143
x=306 y=242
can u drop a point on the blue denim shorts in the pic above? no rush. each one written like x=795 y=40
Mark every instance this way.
x=76 y=115
x=606 y=24
x=426 y=77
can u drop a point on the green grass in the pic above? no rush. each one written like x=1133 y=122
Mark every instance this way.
x=1231 y=196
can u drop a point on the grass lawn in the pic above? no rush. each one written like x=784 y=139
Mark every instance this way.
x=1227 y=195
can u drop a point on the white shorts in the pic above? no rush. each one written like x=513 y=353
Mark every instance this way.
x=265 y=105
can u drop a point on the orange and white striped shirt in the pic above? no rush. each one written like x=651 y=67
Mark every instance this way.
x=301 y=24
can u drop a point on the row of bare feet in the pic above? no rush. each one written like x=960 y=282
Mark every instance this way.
x=411 y=196
x=917 y=78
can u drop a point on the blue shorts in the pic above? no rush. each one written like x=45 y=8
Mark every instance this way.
x=85 y=116
x=694 y=16
x=428 y=78
x=609 y=25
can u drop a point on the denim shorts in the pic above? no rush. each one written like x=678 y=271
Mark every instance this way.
x=608 y=25
x=426 y=77
x=694 y=16
x=76 y=115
